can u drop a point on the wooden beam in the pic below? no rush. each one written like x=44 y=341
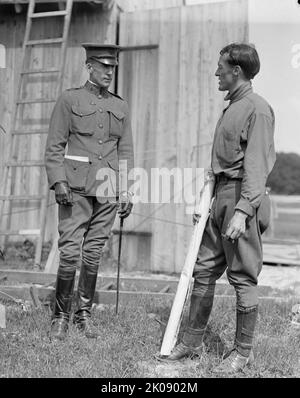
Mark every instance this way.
x=128 y=284
x=145 y=284
x=27 y=276
x=46 y=295
x=101 y=296
x=136 y=283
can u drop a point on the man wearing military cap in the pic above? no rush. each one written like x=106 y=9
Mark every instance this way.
x=89 y=132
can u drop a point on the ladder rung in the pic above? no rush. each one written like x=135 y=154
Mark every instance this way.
x=22 y=232
x=22 y=197
x=36 y=101
x=28 y=163
x=48 y=14
x=30 y=132
x=44 y=41
x=32 y=71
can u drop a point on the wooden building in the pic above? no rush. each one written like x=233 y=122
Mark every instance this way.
x=167 y=77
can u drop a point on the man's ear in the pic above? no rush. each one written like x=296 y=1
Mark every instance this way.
x=237 y=70
x=89 y=67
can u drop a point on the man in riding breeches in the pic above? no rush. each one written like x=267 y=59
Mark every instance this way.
x=243 y=155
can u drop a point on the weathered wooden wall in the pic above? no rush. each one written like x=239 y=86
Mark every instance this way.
x=88 y=23
x=174 y=101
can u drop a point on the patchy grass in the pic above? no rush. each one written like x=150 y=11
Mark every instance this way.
x=129 y=341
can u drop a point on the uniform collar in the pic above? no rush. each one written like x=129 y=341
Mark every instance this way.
x=243 y=90
x=94 y=89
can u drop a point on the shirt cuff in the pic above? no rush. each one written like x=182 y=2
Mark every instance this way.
x=244 y=206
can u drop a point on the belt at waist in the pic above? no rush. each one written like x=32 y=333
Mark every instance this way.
x=222 y=178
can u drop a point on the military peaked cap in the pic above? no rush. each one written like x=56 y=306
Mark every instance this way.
x=105 y=53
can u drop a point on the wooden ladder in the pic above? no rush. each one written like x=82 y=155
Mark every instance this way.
x=8 y=186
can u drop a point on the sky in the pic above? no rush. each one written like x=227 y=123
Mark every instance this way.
x=274 y=28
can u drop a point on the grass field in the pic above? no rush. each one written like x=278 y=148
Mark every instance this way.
x=129 y=341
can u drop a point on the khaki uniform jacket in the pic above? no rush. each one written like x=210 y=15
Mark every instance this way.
x=243 y=145
x=89 y=130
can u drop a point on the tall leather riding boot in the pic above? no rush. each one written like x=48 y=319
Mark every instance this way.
x=63 y=302
x=85 y=296
x=191 y=345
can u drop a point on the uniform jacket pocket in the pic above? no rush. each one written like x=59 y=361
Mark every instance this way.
x=83 y=120
x=76 y=173
x=116 y=123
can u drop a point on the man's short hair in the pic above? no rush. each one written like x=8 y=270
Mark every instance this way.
x=244 y=55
